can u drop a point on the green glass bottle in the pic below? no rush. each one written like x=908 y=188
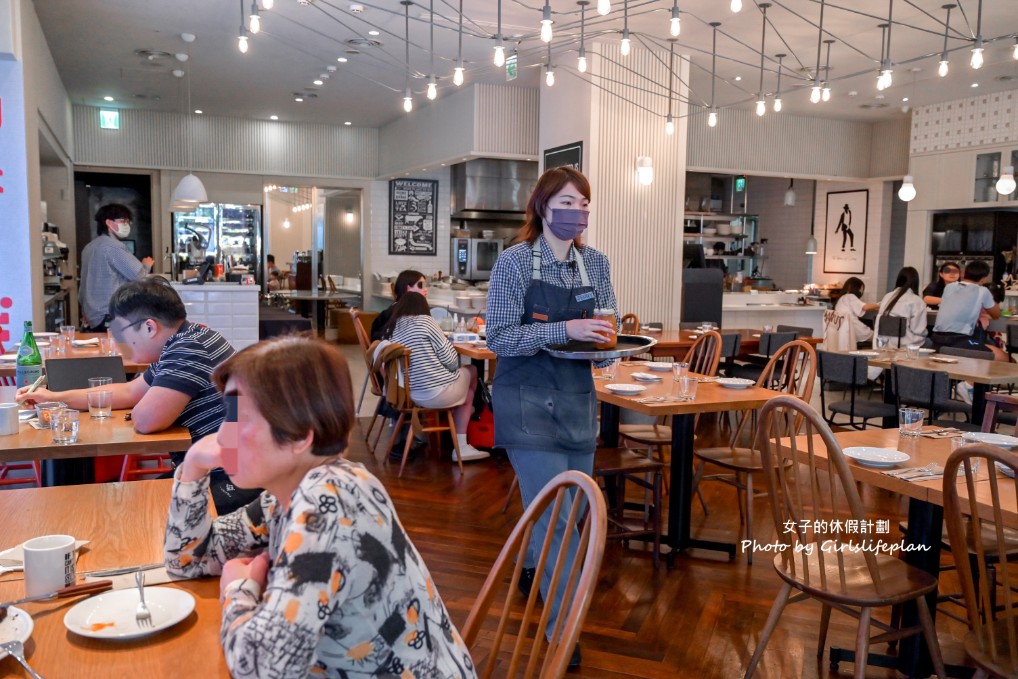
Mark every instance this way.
x=29 y=363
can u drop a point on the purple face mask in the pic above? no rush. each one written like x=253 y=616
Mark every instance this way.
x=567 y=224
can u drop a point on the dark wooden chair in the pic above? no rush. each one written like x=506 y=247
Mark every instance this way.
x=506 y=635
x=617 y=466
x=802 y=485
x=848 y=373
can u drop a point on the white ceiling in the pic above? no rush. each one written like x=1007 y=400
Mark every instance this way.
x=94 y=43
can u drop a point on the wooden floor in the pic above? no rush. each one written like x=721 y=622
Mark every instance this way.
x=701 y=620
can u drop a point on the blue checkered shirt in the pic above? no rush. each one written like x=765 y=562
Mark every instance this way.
x=510 y=278
x=105 y=266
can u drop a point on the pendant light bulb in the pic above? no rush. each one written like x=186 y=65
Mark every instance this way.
x=761 y=107
x=254 y=19
x=675 y=25
x=546 y=34
x=457 y=76
x=1006 y=184
x=736 y=5
x=625 y=46
x=408 y=101
x=268 y=4
x=432 y=89
x=825 y=93
x=942 y=68
x=814 y=94
x=977 y=54
x=549 y=76
x=712 y=119
x=669 y=125
x=777 y=104
x=242 y=43
x=499 y=54
x=581 y=64
x=907 y=190
x=790 y=196
x=603 y=7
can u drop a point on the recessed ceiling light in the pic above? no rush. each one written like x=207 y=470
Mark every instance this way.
x=107 y=98
x=298 y=98
x=738 y=78
x=342 y=60
x=319 y=81
x=273 y=117
x=373 y=33
x=975 y=84
x=853 y=93
x=904 y=98
x=348 y=123
x=198 y=111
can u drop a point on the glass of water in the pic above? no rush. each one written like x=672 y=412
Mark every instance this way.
x=687 y=388
x=912 y=351
x=64 y=425
x=100 y=404
x=881 y=344
x=910 y=422
x=68 y=332
x=679 y=370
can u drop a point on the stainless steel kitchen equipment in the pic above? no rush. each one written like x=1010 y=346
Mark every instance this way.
x=473 y=258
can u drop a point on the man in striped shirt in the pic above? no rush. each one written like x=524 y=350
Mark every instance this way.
x=106 y=265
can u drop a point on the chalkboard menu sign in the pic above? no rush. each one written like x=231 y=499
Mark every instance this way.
x=412 y=227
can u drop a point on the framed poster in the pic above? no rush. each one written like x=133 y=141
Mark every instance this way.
x=412 y=228
x=845 y=237
x=570 y=154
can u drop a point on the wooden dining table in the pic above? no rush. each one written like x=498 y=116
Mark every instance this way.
x=131 y=367
x=711 y=397
x=675 y=343
x=96 y=438
x=925 y=521
x=124 y=524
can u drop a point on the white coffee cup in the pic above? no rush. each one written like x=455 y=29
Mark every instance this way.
x=8 y=419
x=49 y=564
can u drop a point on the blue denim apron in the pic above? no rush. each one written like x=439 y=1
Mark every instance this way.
x=542 y=402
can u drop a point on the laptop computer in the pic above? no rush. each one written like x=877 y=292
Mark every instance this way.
x=73 y=373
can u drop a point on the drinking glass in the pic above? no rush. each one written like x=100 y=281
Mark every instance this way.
x=114 y=348
x=881 y=344
x=910 y=422
x=58 y=345
x=68 y=332
x=679 y=371
x=687 y=388
x=610 y=371
x=607 y=315
x=100 y=404
x=768 y=328
x=912 y=351
x=64 y=424
x=95 y=382
x=964 y=440
x=107 y=347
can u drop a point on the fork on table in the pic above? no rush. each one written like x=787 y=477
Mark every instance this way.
x=142 y=616
x=17 y=650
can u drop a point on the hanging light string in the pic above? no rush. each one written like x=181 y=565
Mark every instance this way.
x=408 y=102
x=499 y=46
x=581 y=62
x=942 y=67
x=669 y=121
x=432 y=86
x=825 y=94
x=457 y=77
x=977 y=48
x=886 y=66
x=814 y=95
x=777 y=92
x=625 y=28
x=712 y=117
x=242 y=38
x=549 y=73
x=880 y=71
x=761 y=104
x=675 y=23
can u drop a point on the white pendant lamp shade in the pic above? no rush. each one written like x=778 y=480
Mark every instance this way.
x=811 y=245
x=183 y=207
x=907 y=190
x=1006 y=184
x=790 y=194
x=190 y=190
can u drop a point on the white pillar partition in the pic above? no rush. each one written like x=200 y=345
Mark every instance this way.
x=617 y=109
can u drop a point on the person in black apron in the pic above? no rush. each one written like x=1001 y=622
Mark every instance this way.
x=543 y=292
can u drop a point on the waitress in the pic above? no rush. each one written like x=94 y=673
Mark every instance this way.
x=543 y=292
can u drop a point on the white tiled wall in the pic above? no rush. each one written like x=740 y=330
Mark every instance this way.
x=962 y=123
x=231 y=310
x=785 y=228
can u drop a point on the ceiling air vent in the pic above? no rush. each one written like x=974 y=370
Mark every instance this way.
x=874 y=106
x=363 y=42
x=152 y=55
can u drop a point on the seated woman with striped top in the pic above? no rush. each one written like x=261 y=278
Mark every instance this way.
x=437 y=380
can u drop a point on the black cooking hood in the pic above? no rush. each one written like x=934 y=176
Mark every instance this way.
x=490 y=189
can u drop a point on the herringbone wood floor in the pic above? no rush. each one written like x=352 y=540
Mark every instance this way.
x=701 y=620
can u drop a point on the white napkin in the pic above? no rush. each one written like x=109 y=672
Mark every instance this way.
x=93 y=342
x=154 y=576
x=18 y=554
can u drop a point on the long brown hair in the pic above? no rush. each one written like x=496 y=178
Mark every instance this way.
x=298 y=385
x=550 y=183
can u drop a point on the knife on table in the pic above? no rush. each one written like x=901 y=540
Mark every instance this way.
x=73 y=590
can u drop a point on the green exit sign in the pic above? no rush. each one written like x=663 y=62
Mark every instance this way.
x=109 y=119
x=740 y=184
x=512 y=66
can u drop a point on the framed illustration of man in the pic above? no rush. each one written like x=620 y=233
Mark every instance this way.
x=846 y=230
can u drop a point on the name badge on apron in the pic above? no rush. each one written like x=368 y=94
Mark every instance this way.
x=585 y=296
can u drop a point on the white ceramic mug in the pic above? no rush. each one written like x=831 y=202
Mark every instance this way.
x=8 y=419
x=49 y=564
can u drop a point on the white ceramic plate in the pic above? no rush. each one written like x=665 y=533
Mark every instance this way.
x=646 y=329
x=110 y=615
x=1002 y=440
x=625 y=389
x=9 y=357
x=880 y=458
x=863 y=352
x=659 y=367
x=45 y=334
x=645 y=377
x=735 y=382
x=38 y=344
x=17 y=626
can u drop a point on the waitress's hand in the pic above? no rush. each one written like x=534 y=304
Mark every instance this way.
x=589 y=330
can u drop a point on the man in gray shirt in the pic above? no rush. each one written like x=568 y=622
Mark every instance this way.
x=960 y=307
x=106 y=265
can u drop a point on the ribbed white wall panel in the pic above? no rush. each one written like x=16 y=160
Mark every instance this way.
x=434 y=132
x=638 y=227
x=889 y=150
x=779 y=144
x=506 y=120
x=153 y=139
